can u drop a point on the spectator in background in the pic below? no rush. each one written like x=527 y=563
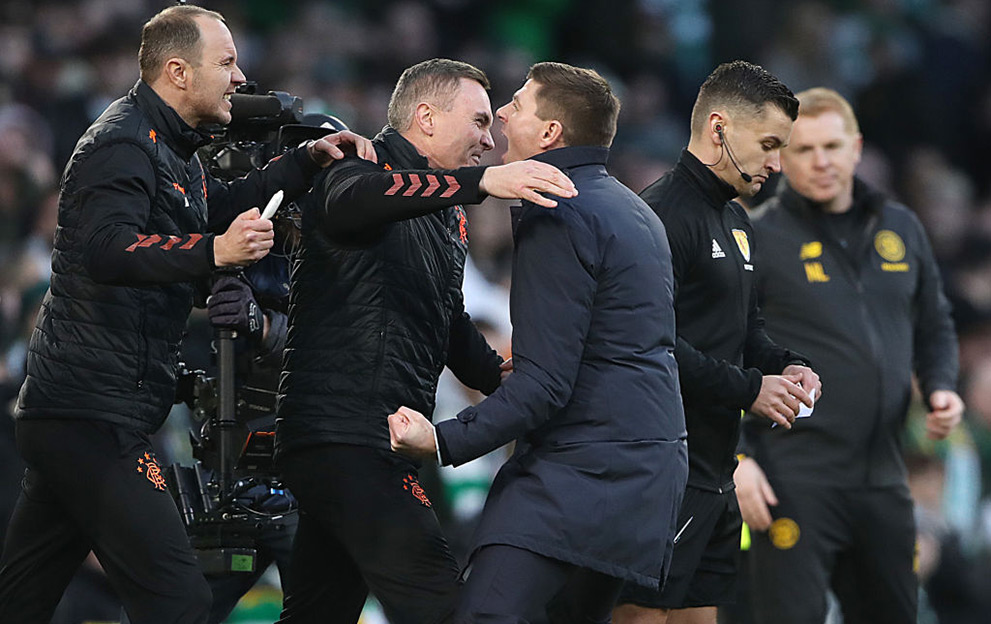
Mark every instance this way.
x=847 y=276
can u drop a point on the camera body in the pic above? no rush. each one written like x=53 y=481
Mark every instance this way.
x=261 y=128
x=232 y=498
x=224 y=519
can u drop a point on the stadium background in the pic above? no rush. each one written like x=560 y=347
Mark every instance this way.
x=917 y=72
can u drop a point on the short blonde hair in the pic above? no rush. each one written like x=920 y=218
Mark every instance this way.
x=819 y=100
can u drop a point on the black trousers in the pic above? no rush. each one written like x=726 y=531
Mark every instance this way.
x=91 y=485
x=364 y=524
x=859 y=541
x=509 y=585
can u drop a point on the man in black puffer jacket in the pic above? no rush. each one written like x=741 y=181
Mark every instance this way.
x=133 y=234
x=375 y=314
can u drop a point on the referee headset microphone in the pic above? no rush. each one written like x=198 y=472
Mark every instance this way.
x=746 y=176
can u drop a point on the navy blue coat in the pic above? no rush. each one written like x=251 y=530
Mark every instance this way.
x=594 y=402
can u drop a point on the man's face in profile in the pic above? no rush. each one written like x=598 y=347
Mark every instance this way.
x=520 y=124
x=464 y=133
x=215 y=77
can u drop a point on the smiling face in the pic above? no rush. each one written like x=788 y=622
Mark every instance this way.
x=462 y=134
x=214 y=77
x=520 y=124
x=756 y=145
x=821 y=160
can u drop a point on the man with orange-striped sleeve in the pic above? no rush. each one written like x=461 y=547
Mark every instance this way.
x=138 y=222
x=376 y=312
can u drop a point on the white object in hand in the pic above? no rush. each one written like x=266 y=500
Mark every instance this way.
x=273 y=205
x=804 y=411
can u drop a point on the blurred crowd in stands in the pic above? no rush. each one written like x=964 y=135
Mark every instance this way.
x=918 y=73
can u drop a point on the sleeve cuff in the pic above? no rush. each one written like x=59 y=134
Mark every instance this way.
x=797 y=359
x=756 y=380
x=437 y=446
x=307 y=165
x=211 y=261
x=443 y=456
x=472 y=178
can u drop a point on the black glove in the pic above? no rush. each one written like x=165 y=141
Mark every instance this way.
x=232 y=304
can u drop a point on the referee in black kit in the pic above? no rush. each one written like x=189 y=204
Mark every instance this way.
x=742 y=118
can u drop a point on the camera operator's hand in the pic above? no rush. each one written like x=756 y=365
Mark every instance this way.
x=247 y=240
x=331 y=147
x=232 y=304
x=524 y=180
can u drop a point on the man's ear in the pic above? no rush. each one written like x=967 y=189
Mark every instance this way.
x=423 y=118
x=858 y=147
x=176 y=71
x=552 y=135
x=717 y=126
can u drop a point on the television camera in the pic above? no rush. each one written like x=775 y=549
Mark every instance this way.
x=232 y=494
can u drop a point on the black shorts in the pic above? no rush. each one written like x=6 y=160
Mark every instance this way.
x=705 y=558
x=860 y=542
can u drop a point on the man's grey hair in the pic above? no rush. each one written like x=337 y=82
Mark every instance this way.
x=436 y=82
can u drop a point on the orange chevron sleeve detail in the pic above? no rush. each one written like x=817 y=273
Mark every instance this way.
x=415 y=184
x=432 y=185
x=398 y=184
x=452 y=186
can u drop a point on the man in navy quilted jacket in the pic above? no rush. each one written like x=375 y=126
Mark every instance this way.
x=590 y=496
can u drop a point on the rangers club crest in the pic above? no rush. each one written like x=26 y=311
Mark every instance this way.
x=148 y=465
x=411 y=485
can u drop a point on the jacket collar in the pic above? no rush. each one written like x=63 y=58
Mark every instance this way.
x=401 y=150
x=563 y=158
x=571 y=157
x=865 y=199
x=167 y=123
x=715 y=190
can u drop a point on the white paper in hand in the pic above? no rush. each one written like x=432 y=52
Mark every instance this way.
x=804 y=411
x=273 y=205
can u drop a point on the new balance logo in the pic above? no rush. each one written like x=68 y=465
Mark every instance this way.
x=415 y=186
x=717 y=251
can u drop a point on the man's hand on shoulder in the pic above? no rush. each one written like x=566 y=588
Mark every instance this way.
x=332 y=147
x=411 y=434
x=525 y=179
